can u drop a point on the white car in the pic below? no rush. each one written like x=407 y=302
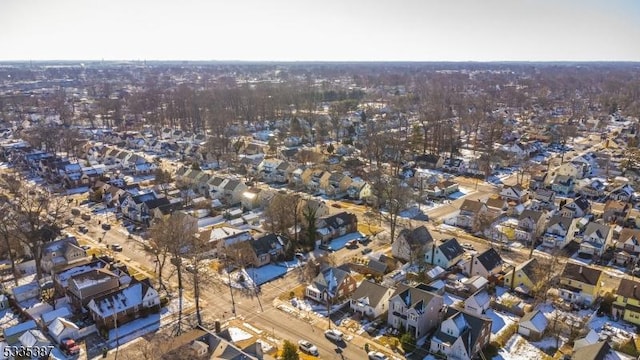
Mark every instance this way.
x=334 y=335
x=308 y=347
x=374 y=355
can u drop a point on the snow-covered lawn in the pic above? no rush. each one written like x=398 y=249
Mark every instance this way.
x=519 y=348
x=134 y=329
x=340 y=242
x=8 y=319
x=500 y=321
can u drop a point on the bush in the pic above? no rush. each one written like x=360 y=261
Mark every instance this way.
x=408 y=342
x=506 y=334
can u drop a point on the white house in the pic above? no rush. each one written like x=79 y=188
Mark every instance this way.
x=445 y=254
x=61 y=329
x=485 y=264
x=532 y=325
x=371 y=299
x=414 y=310
x=478 y=303
x=461 y=335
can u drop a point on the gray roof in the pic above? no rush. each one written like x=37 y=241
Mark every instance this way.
x=419 y=236
x=597 y=351
x=490 y=259
x=414 y=297
x=369 y=289
x=451 y=249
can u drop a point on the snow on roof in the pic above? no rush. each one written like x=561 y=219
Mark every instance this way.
x=62 y=312
x=59 y=325
x=16 y=329
x=33 y=338
x=117 y=302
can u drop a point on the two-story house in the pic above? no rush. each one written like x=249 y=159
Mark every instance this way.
x=557 y=234
x=524 y=276
x=592 y=189
x=531 y=225
x=267 y=248
x=412 y=244
x=84 y=287
x=486 y=264
x=563 y=185
x=415 y=310
x=371 y=299
x=125 y=305
x=580 y=284
x=331 y=285
x=546 y=198
x=232 y=191
x=627 y=302
x=615 y=211
x=334 y=226
x=627 y=246
x=335 y=184
x=429 y=161
x=445 y=254
x=514 y=193
x=580 y=207
x=461 y=335
x=61 y=254
x=470 y=213
x=596 y=238
x=623 y=193
x=570 y=169
x=453 y=165
x=359 y=190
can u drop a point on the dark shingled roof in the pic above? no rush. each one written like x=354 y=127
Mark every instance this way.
x=419 y=236
x=490 y=259
x=266 y=243
x=583 y=274
x=470 y=205
x=629 y=289
x=451 y=249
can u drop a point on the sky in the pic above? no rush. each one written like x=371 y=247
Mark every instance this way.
x=321 y=30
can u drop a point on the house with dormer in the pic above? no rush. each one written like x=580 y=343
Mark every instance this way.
x=461 y=335
x=627 y=246
x=359 y=189
x=578 y=208
x=470 y=212
x=335 y=184
x=125 y=305
x=627 y=302
x=546 y=198
x=267 y=170
x=623 y=193
x=592 y=189
x=412 y=244
x=83 y=287
x=595 y=239
x=371 y=299
x=267 y=248
x=531 y=225
x=563 y=184
x=331 y=286
x=580 y=284
x=334 y=226
x=445 y=253
x=514 y=193
x=415 y=310
x=61 y=254
x=486 y=264
x=558 y=233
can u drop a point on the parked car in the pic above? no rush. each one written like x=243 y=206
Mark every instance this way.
x=336 y=205
x=85 y=217
x=301 y=256
x=375 y=355
x=307 y=347
x=352 y=244
x=83 y=229
x=69 y=221
x=467 y=246
x=190 y=268
x=334 y=335
x=116 y=247
x=70 y=347
x=365 y=251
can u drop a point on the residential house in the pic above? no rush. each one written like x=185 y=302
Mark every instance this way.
x=531 y=225
x=359 y=190
x=267 y=248
x=441 y=189
x=571 y=169
x=470 y=213
x=33 y=339
x=627 y=302
x=486 y=264
x=429 y=161
x=445 y=254
x=251 y=198
x=412 y=244
x=596 y=238
x=478 y=303
x=312 y=179
x=592 y=189
x=580 y=207
x=13 y=333
x=515 y=193
x=615 y=211
x=61 y=254
x=524 y=276
x=283 y=172
x=334 y=226
x=221 y=238
x=216 y=187
x=454 y=165
x=601 y=350
x=497 y=206
x=136 y=207
x=415 y=310
x=84 y=287
x=233 y=190
x=623 y=193
x=546 y=197
x=628 y=246
x=335 y=184
x=267 y=170
x=563 y=185
x=557 y=234
x=461 y=335
x=331 y=286
x=533 y=325
x=62 y=329
x=539 y=178
x=122 y=306
x=371 y=299
x=580 y=284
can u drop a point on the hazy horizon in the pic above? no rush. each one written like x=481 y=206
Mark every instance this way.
x=329 y=31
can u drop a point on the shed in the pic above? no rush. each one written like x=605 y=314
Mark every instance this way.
x=532 y=325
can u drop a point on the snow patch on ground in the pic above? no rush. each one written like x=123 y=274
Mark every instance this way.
x=500 y=321
x=519 y=349
x=238 y=334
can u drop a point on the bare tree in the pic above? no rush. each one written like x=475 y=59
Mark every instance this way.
x=394 y=196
